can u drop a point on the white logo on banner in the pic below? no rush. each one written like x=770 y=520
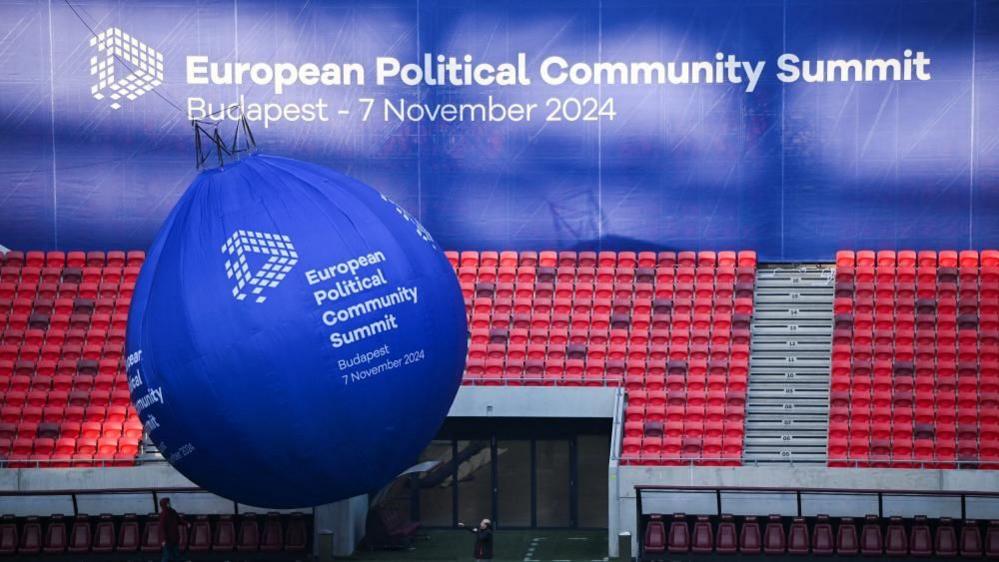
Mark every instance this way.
x=282 y=258
x=145 y=66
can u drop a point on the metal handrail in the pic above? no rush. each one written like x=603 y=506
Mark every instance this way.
x=617 y=424
x=881 y=494
x=76 y=463
x=468 y=380
x=832 y=491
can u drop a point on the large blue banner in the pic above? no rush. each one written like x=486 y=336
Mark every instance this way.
x=792 y=127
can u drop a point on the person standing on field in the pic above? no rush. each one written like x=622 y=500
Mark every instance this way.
x=169 y=524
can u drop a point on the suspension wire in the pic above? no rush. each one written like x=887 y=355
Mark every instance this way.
x=131 y=68
x=203 y=129
x=119 y=59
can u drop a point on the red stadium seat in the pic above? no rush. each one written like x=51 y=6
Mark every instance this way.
x=896 y=542
x=79 y=535
x=31 y=537
x=971 y=540
x=945 y=542
x=749 y=537
x=871 y=539
x=135 y=258
x=727 y=541
x=272 y=535
x=992 y=533
x=200 y=535
x=655 y=536
x=249 y=528
x=296 y=536
x=797 y=537
x=703 y=536
x=8 y=535
x=129 y=538
x=679 y=534
x=846 y=538
x=774 y=539
x=55 y=536
x=823 y=542
x=224 y=539
x=150 y=541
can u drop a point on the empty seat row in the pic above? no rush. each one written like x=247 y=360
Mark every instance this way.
x=665 y=536
x=95 y=258
x=944 y=258
x=106 y=534
x=552 y=258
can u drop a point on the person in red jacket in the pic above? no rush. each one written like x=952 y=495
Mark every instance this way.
x=170 y=522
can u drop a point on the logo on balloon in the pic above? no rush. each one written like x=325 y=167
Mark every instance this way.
x=281 y=258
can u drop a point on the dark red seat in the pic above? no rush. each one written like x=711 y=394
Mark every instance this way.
x=296 y=537
x=655 y=535
x=249 y=534
x=31 y=537
x=871 y=540
x=128 y=534
x=971 y=540
x=946 y=539
x=55 y=536
x=703 y=538
x=992 y=540
x=823 y=543
x=104 y=538
x=797 y=537
x=749 y=536
x=846 y=537
x=200 y=536
x=679 y=534
x=151 y=534
x=272 y=537
x=79 y=535
x=182 y=538
x=920 y=538
x=728 y=539
x=774 y=540
x=8 y=535
x=896 y=541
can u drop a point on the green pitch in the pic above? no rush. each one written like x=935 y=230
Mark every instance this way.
x=509 y=546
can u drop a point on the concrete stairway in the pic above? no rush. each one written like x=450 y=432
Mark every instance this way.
x=787 y=410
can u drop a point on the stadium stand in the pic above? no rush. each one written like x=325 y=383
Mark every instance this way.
x=66 y=400
x=271 y=534
x=915 y=361
x=894 y=536
x=914 y=377
x=671 y=327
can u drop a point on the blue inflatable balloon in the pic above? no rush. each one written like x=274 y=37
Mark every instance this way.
x=295 y=338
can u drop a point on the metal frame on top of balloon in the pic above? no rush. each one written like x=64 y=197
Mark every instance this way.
x=210 y=131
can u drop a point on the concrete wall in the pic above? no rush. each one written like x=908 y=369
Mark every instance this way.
x=346 y=519
x=623 y=479
x=534 y=402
